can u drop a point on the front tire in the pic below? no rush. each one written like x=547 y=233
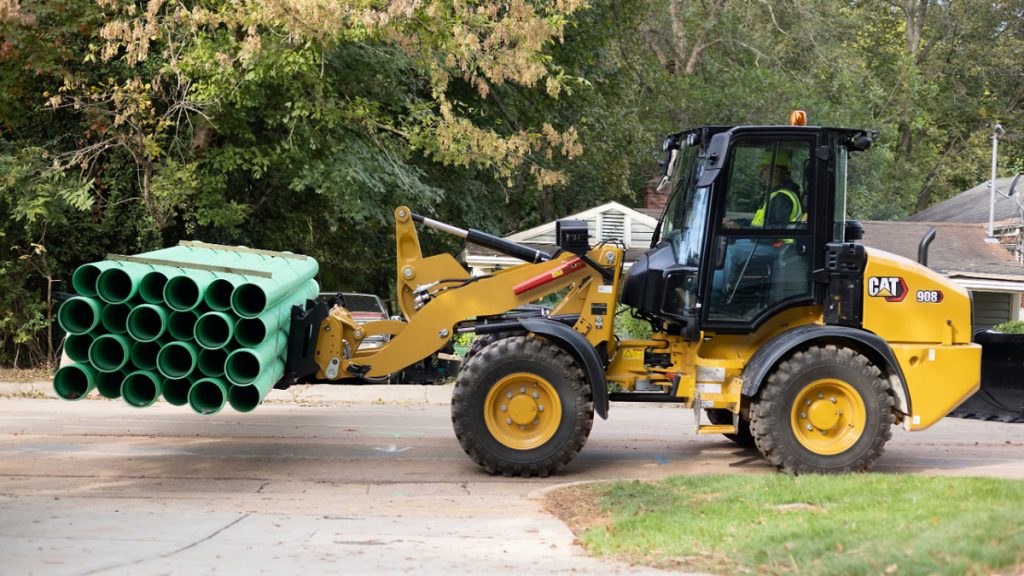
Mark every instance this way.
x=521 y=406
x=823 y=410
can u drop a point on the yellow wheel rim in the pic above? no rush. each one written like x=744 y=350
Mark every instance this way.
x=522 y=411
x=828 y=416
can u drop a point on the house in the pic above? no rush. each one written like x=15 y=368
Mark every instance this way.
x=960 y=251
x=611 y=222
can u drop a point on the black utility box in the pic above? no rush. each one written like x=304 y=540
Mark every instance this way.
x=572 y=236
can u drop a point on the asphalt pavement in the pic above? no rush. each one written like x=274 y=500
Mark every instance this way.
x=345 y=480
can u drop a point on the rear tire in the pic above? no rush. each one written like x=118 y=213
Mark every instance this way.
x=521 y=406
x=823 y=410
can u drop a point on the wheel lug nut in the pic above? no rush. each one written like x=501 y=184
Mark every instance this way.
x=802 y=414
x=808 y=402
x=833 y=398
x=540 y=408
x=536 y=395
x=535 y=421
x=508 y=420
x=522 y=390
x=820 y=395
x=809 y=427
x=504 y=408
x=509 y=395
x=521 y=427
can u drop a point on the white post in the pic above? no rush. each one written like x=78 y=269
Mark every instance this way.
x=992 y=183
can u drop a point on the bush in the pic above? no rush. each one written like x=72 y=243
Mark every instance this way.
x=1011 y=327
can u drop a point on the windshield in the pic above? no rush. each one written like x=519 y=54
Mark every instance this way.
x=685 y=215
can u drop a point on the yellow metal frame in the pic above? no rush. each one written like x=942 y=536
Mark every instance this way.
x=430 y=327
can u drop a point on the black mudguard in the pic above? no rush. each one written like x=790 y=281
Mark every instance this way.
x=1001 y=395
x=768 y=355
x=581 y=349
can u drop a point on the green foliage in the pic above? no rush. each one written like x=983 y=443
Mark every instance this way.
x=628 y=326
x=301 y=125
x=1011 y=327
x=776 y=524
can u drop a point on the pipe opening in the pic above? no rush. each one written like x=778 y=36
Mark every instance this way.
x=115 y=318
x=109 y=353
x=243 y=367
x=182 y=325
x=72 y=382
x=147 y=323
x=144 y=355
x=218 y=295
x=140 y=389
x=250 y=332
x=213 y=330
x=109 y=384
x=176 y=360
x=115 y=286
x=78 y=315
x=151 y=288
x=248 y=300
x=206 y=397
x=244 y=398
x=182 y=293
x=175 y=392
x=211 y=362
x=84 y=279
x=77 y=347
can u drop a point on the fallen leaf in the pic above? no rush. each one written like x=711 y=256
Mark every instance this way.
x=891 y=568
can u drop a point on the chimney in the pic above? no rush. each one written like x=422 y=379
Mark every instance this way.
x=652 y=197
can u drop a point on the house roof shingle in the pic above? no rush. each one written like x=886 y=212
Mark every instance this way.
x=957 y=248
x=972 y=205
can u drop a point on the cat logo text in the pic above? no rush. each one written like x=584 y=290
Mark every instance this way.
x=892 y=288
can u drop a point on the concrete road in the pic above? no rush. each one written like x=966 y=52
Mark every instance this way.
x=96 y=487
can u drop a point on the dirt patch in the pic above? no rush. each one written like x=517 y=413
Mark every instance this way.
x=19 y=375
x=579 y=507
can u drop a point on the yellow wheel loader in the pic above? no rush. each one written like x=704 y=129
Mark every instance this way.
x=769 y=320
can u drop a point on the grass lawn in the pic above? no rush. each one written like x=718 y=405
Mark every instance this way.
x=777 y=524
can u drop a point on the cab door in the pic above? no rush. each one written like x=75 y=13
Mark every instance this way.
x=761 y=254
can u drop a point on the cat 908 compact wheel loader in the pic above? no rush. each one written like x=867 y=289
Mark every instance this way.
x=768 y=320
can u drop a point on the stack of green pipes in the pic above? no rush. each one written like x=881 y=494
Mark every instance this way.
x=199 y=324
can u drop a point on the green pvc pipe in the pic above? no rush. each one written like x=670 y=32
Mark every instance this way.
x=175 y=392
x=247 y=398
x=208 y=396
x=85 y=276
x=141 y=388
x=254 y=297
x=110 y=352
x=114 y=317
x=151 y=287
x=147 y=322
x=79 y=315
x=245 y=365
x=76 y=346
x=143 y=355
x=74 y=381
x=211 y=362
x=185 y=292
x=181 y=325
x=108 y=384
x=218 y=293
x=177 y=359
x=214 y=330
x=251 y=332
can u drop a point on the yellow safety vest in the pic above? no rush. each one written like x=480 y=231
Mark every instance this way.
x=794 y=216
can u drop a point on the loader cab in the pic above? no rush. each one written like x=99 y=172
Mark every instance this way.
x=750 y=211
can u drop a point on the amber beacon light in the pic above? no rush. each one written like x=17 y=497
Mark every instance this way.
x=798 y=118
